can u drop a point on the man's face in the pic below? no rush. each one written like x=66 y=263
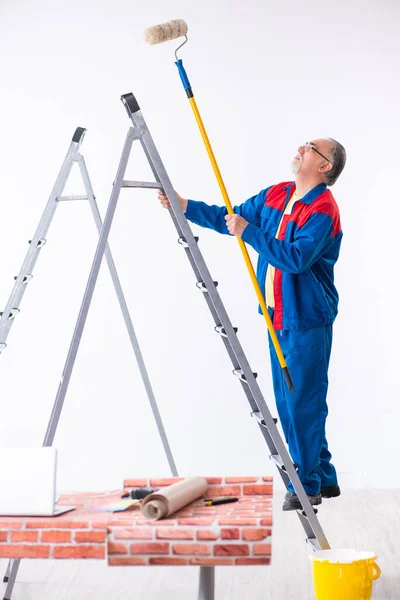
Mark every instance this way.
x=308 y=159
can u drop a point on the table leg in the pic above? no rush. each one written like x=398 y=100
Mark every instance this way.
x=206 y=584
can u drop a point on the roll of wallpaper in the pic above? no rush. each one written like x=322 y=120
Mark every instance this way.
x=167 y=501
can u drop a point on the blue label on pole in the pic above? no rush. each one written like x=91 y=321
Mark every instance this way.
x=182 y=73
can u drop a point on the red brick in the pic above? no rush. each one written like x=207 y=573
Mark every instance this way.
x=252 y=500
x=56 y=536
x=207 y=534
x=233 y=521
x=262 y=489
x=165 y=481
x=134 y=533
x=79 y=552
x=10 y=523
x=231 y=550
x=241 y=479
x=50 y=523
x=253 y=535
x=164 y=523
x=267 y=478
x=230 y=534
x=262 y=549
x=80 y=500
x=130 y=483
x=195 y=521
x=67 y=501
x=87 y=537
x=149 y=548
x=253 y=561
x=203 y=549
x=161 y=560
x=24 y=551
x=224 y=490
x=113 y=548
x=175 y=534
x=3 y=536
x=211 y=562
x=213 y=480
x=130 y=561
x=266 y=521
x=240 y=514
x=24 y=536
x=200 y=511
x=100 y=524
x=123 y=522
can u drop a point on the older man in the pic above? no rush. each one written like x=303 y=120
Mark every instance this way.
x=295 y=229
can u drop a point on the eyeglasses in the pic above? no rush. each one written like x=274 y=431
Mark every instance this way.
x=308 y=146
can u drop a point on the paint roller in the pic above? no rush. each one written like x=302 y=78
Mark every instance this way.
x=170 y=31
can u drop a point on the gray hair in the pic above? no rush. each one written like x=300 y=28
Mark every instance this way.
x=338 y=156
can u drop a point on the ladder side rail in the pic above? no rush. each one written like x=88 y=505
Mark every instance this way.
x=31 y=257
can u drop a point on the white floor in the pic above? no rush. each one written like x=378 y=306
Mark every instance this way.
x=362 y=519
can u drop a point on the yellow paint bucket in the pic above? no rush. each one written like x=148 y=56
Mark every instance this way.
x=344 y=574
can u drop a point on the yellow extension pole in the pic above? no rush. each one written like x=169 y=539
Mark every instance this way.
x=242 y=245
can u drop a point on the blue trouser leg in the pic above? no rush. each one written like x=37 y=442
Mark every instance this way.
x=326 y=470
x=303 y=414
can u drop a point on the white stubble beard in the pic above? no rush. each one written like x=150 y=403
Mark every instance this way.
x=295 y=166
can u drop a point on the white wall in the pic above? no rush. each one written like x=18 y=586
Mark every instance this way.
x=267 y=76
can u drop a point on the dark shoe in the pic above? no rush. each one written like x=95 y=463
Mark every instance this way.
x=293 y=503
x=330 y=492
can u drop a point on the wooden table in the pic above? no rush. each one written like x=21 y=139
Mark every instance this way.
x=207 y=536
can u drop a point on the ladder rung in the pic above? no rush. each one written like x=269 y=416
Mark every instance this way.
x=259 y=418
x=26 y=279
x=314 y=544
x=239 y=373
x=70 y=198
x=13 y=313
x=278 y=461
x=276 y=458
x=142 y=184
x=40 y=243
x=184 y=243
x=202 y=286
x=3 y=346
x=221 y=330
x=301 y=512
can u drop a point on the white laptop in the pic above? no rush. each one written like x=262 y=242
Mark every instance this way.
x=28 y=482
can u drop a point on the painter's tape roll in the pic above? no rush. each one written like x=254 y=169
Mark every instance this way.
x=165 y=502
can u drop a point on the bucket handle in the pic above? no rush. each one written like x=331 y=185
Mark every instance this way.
x=375 y=571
